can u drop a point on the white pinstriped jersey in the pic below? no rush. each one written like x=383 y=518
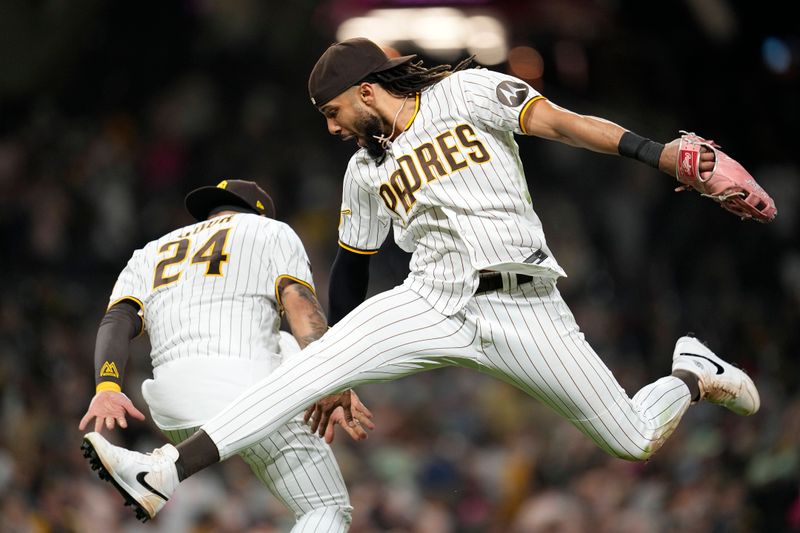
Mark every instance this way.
x=208 y=292
x=209 y=289
x=453 y=190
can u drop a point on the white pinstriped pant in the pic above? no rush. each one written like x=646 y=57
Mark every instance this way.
x=523 y=335
x=300 y=470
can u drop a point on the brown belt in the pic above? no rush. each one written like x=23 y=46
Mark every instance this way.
x=491 y=281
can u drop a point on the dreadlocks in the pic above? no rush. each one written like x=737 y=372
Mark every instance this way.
x=409 y=78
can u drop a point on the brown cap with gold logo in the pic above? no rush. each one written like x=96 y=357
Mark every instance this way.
x=238 y=193
x=345 y=64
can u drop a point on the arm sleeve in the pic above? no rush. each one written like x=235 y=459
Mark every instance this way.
x=363 y=223
x=120 y=324
x=348 y=283
x=289 y=260
x=123 y=321
x=497 y=101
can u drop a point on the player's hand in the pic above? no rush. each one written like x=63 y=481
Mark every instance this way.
x=669 y=159
x=108 y=408
x=344 y=409
x=360 y=415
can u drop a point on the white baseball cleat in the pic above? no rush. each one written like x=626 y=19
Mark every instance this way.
x=720 y=382
x=146 y=481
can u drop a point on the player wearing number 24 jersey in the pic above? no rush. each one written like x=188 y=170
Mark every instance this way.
x=439 y=166
x=209 y=296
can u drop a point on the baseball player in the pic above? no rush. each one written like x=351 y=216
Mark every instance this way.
x=210 y=296
x=439 y=165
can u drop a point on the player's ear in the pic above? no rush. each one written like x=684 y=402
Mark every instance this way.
x=366 y=93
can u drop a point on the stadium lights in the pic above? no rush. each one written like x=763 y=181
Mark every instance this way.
x=440 y=32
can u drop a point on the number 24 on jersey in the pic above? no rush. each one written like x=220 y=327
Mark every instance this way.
x=212 y=253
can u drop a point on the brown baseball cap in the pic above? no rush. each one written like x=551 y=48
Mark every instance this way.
x=239 y=193
x=345 y=64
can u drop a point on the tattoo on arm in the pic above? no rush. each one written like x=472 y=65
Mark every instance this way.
x=316 y=317
x=315 y=324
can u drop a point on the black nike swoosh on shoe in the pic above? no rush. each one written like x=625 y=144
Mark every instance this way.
x=145 y=484
x=720 y=370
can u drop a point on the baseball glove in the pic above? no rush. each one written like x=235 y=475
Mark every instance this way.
x=729 y=183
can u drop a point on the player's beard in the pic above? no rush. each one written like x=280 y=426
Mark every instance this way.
x=370 y=127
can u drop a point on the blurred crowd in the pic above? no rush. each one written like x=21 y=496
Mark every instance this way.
x=106 y=126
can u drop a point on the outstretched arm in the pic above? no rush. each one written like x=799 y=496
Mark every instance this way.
x=703 y=166
x=109 y=406
x=547 y=120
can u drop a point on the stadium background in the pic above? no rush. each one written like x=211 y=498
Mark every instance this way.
x=111 y=111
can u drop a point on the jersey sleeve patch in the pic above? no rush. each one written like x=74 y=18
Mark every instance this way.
x=512 y=93
x=495 y=100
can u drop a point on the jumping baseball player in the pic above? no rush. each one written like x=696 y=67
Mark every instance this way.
x=439 y=165
x=210 y=296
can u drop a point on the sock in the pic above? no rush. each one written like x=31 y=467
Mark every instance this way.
x=691 y=380
x=195 y=453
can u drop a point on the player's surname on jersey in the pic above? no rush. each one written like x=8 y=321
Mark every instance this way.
x=197 y=228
